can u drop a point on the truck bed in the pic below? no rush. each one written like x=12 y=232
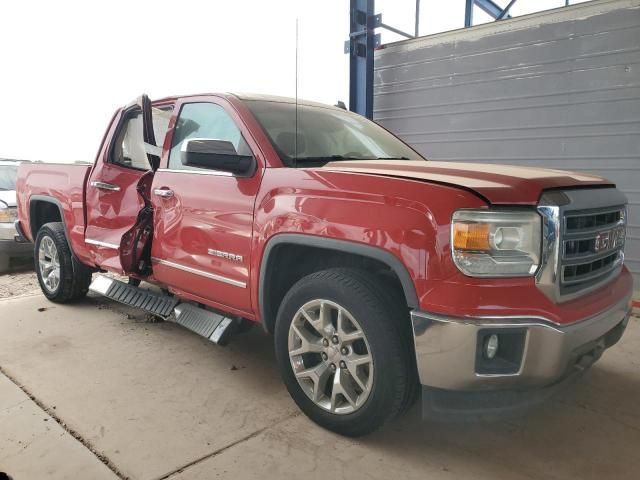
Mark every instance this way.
x=62 y=183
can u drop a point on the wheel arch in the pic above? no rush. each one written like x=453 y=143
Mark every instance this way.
x=343 y=248
x=44 y=209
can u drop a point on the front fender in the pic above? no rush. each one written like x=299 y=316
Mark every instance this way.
x=404 y=223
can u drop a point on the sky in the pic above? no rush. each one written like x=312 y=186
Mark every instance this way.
x=66 y=66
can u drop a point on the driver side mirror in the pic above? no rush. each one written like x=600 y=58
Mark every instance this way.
x=216 y=155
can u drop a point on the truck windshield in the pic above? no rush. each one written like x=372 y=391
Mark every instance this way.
x=325 y=135
x=8 y=177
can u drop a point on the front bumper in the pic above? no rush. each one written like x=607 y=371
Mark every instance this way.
x=536 y=352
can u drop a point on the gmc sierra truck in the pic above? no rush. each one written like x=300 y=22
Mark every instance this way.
x=377 y=271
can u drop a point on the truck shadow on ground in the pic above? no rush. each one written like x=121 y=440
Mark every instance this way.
x=604 y=390
x=588 y=429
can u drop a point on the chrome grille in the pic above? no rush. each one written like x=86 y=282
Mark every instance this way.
x=592 y=246
x=576 y=222
x=583 y=240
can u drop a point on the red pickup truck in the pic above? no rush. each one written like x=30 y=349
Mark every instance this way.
x=376 y=270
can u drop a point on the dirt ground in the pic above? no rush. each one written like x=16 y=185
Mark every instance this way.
x=95 y=390
x=21 y=280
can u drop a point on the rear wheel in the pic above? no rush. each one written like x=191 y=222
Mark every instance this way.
x=61 y=277
x=341 y=351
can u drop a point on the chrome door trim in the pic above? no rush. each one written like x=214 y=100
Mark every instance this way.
x=105 y=186
x=216 y=173
x=91 y=241
x=195 y=271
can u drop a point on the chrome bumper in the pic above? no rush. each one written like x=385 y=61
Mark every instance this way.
x=449 y=350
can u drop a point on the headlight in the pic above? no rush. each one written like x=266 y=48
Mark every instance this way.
x=8 y=215
x=496 y=243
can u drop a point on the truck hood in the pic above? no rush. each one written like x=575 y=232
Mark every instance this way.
x=499 y=184
x=8 y=198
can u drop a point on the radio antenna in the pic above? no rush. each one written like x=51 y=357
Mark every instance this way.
x=295 y=141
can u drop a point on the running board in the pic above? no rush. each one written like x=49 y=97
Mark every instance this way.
x=213 y=326
x=210 y=325
x=152 y=302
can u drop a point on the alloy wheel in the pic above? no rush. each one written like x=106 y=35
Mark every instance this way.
x=49 y=264
x=330 y=356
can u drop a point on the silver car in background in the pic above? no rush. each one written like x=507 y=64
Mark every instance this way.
x=9 y=248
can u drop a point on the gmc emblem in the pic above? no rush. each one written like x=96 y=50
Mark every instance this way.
x=609 y=240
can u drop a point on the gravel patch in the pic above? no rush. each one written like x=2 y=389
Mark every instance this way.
x=18 y=283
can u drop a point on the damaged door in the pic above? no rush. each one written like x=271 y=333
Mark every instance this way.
x=117 y=199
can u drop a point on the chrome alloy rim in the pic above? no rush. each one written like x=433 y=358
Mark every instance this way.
x=49 y=263
x=330 y=356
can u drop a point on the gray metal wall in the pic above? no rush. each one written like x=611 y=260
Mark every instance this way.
x=556 y=89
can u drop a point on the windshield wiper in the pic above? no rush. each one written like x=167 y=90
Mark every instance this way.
x=329 y=158
x=326 y=158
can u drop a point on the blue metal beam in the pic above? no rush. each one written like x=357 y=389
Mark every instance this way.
x=506 y=9
x=489 y=7
x=468 y=13
x=362 y=42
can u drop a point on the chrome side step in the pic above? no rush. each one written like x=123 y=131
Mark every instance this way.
x=152 y=302
x=210 y=325
x=213 y=326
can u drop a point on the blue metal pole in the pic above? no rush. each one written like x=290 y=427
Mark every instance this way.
x=361 y=44
x=468 y=13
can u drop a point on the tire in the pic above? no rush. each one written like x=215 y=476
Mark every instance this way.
x=396 y=297
x=135 y=282
x=384 y=383
x=51 y=254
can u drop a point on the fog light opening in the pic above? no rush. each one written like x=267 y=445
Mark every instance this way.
x=500 y=351
x=491 y=346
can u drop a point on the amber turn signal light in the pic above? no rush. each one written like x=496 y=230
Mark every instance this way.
x=471 y=236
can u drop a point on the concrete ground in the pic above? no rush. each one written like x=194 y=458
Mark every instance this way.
x=94 y=390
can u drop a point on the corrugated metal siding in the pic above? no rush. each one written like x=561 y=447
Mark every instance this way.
x=558 y=89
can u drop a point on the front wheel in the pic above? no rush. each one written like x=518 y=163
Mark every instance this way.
x=62 y=278
x=340 y=349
